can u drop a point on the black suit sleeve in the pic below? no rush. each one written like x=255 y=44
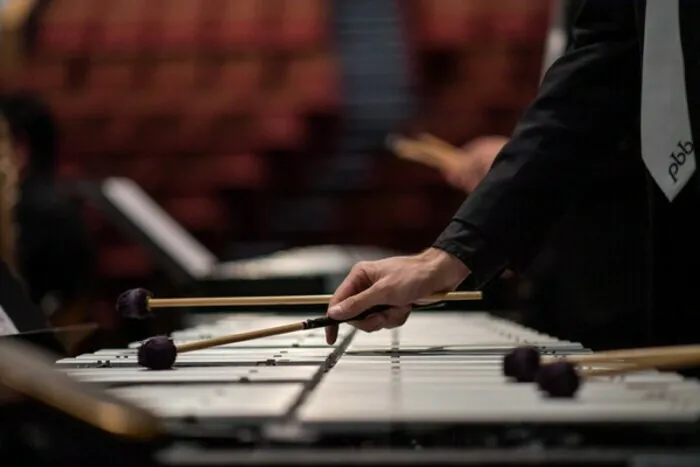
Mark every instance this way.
x=587 y=101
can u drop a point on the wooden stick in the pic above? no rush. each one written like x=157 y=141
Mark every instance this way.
x=424 y=151
x=660 y=363
x=241 y=337
x=284 y=300
x=631 y=355
x=437 y=143
x=312 y=323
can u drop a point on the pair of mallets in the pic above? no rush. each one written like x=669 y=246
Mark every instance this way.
x=561 y=377
x=160 y=352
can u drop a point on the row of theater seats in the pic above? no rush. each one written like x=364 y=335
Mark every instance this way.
x=168 y=27
x=238 y=83
x=451 y=23
x=254 y=103
x=222 y=108
x=181 y=26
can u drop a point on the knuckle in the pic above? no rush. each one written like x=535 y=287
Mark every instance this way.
x=359 y=267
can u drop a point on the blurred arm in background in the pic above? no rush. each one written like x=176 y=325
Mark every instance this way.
x=478 y=155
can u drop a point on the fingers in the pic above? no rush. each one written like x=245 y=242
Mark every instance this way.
x=372 y=323
x=436 y=142
x=397 y=317
x=389 y=319
x=355 y=282
x=350 y=299
x=331 y=334
x=356 y=304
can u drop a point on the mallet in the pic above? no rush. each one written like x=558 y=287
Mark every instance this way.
x=160 y=352
x=139 y=303
x=427 y=150
x=522 y=363
x=562 y=379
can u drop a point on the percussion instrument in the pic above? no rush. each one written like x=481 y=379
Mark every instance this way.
x=427 y=391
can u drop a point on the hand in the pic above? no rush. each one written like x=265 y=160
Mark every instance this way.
x=398 y=282
x=475 y=161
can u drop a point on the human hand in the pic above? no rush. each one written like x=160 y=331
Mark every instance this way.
x=474 y=161
x=397 y=282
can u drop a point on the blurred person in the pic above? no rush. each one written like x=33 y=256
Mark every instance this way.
x=630 y=76
x=54 y=251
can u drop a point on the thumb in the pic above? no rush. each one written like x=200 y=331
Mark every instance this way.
x=356 y=304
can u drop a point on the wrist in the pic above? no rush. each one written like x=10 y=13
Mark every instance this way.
x=449 y=270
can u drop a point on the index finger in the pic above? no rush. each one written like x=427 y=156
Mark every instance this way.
x=355 y=282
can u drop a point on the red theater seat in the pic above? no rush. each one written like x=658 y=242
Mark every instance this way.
x=232 y=134
x=234 y=25
x=239 y=82
x=121 y=135
x=315 y=81
x=198 y=213
x=199 y=175
x=177 y=26
x=43 y=76
x=239 y=171
x=121 y=27
x=521 y=21
x=440 y=22
x=172 y=83
x=107 y=84
x=150 y=172
x=112 y=76
x=124 y=261
x=189 y=175
x=65 y=26
x=491 y=71
x=279 y=124
x=155 y=136
x=450 y=23
x=299 y=23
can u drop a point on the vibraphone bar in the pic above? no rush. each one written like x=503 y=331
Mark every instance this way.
x=434 y=385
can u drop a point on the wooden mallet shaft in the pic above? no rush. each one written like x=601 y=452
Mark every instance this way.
x=663 y=362
x=313 y=323
x=428 y=150
x=284 y=300
x=563 y=378
x=631 y=355
x=241 y=337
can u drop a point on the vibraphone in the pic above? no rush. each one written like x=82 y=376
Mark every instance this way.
x=430 y=391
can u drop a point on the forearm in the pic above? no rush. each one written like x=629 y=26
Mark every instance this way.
x=587 y=101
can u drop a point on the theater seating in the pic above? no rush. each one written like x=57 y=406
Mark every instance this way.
x=208 y=103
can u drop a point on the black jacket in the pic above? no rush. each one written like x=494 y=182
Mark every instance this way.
x=588 y=105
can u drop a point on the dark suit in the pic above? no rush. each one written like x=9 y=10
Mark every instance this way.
x=569 y=137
